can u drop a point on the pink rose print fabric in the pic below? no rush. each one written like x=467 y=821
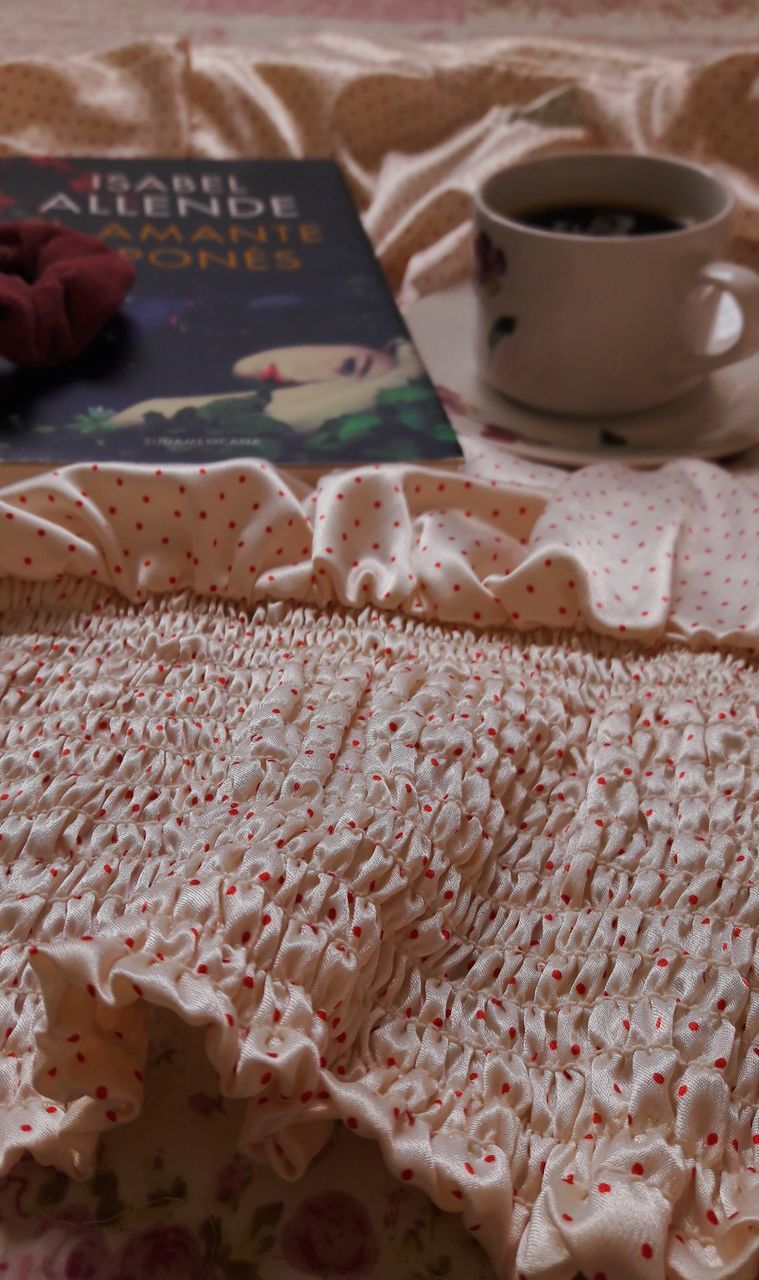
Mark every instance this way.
x=171 y=1195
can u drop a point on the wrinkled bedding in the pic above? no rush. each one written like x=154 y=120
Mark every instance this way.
x=430 y=799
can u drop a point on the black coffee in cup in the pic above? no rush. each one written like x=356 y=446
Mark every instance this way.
x=600 y=281
x=599 y=220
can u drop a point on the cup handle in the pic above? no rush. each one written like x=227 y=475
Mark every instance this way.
x=742 y=285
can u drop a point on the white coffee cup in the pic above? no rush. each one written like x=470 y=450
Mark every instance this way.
x=590 y=324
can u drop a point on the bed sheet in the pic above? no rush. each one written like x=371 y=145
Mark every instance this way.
x=687 y=29
x=413 y=134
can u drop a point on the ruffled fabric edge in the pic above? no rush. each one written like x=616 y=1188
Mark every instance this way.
x=525 y=552
x=595 y=1212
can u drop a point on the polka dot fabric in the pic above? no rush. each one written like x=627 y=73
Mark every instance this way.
x=668 y=554
x=125 y=101
x=414 y=126
x=417 y=129
x=285 y=762
x=490 y=903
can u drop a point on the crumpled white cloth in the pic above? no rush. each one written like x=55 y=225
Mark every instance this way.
x=489 y=901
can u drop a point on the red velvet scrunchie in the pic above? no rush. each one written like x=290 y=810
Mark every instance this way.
x=57 y=289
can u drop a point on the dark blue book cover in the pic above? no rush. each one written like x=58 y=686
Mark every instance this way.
x=259 y=324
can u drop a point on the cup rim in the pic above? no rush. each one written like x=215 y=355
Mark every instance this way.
x=599 y=242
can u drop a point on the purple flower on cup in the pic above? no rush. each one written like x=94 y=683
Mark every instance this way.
x=330 y=1234
x=165 y=1252
x=489 y=263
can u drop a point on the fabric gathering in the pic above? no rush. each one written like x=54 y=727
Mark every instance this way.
x=378 y=846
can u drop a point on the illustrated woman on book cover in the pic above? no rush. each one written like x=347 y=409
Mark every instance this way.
x=310 y=385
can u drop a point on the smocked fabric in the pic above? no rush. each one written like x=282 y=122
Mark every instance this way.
x=203 y=797
x=490 y=901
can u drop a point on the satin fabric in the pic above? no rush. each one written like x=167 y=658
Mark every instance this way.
x=414 y=127
x=647 y=555
x=489 y=901
x=488 y=897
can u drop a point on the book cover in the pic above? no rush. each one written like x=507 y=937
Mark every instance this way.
x=259 y=324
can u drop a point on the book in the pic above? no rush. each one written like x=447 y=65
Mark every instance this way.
x=259 y=325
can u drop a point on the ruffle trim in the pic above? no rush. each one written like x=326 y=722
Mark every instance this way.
x=427 y=542
x=633 y=1202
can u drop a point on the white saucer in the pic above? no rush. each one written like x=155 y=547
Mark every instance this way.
x=716 y=421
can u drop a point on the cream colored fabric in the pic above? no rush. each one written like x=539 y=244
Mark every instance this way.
x=491 y=903
x=414 y=127
x=671 y=553
x=488 y=898
x=647 y=555
x=687 y=28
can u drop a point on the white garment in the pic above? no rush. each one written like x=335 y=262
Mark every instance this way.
x=491 y=902
x=669 y=554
